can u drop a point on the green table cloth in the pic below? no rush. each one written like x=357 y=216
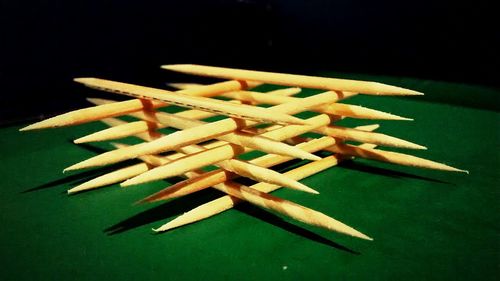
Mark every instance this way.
x=427 y=225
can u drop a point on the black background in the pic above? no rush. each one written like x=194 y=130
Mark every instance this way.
x=44 y=44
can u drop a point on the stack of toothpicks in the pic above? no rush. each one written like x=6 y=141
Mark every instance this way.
x=197 y=144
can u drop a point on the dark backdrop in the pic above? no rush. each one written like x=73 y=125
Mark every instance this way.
x=44 y=44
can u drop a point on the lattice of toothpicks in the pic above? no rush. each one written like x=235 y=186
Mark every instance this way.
x=198 y=143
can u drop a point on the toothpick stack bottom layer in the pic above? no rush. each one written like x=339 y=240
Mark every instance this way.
x=198 y=143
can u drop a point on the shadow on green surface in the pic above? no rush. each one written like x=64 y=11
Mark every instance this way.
x=181 y=205
x=164 y=211
x=291 y=164
x=81 y=177
x=362 y=167
x=90 y=147
x=289 y=227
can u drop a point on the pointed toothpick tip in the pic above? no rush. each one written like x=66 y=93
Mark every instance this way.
x=302 y=187
x=74 y=167
x=82 y=187
x=174 y=67
x=75 y=190
x=385 y=89
x=408 y=92
x=369 y=128
x=118 y=144
x=93 y=100
x=414 y=93
x=34 y=126
x=398 y=118
x=417 y=146
x=83 y=80
x=183 y=86
x=157 y=230
x=27 y=128
x=312 y=157
x=369 y=238
x=406 y=119
x=79 y=188
x=128 y=183
x=175 y=85
x=360 y=235
x=168 y=226
x=313 y=191
x=453 y=169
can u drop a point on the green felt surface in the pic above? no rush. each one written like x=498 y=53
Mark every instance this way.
x=427 y=225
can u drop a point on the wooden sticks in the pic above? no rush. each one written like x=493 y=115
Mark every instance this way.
x=215 y=177
x=204 y=132
x=96 y=113
x=292 y=80
x=222 y=142
x=235 y=166
x=227 y=202
x=278 y=97
x=181 y=99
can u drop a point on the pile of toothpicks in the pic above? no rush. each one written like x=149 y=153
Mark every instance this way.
x=273 y=130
